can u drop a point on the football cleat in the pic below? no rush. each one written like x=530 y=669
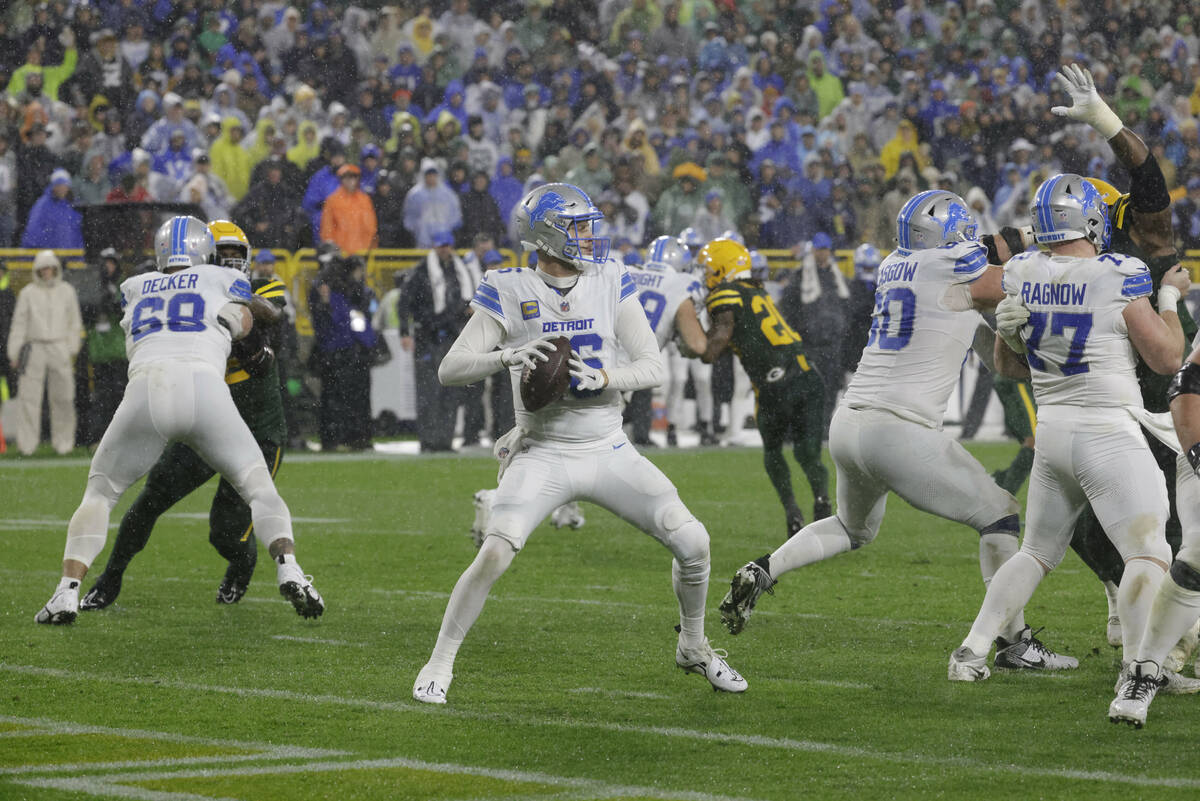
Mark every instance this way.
x=569 y=515
x=482 y=501
x=795 y=521
x=1141 y=682
x=231 y=590
x=1178 y=684
x=103 y=592
x=672 y=437
x=1027 y=652
x=1183 y=650
x=298 y=589
x=966 y=665
x=748 y=584
x=822 y=508
x=62 y=607
x=429 y=692
x=1113 y=631
x=708 y=438
x=710 y=663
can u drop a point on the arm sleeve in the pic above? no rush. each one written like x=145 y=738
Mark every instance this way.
x=646 y=366
x=473 y=355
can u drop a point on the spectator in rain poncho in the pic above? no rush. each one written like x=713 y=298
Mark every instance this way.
x=431 y=206
x=231 y=161
x=905 y=141
x=206 y=190
x=505 y=189
x=53 y=221
x=307 y=147
x=827 y=86
x=158 y=138
x=977 y=199
x=176 y=161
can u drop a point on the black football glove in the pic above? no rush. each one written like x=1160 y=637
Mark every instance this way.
x=258 y=363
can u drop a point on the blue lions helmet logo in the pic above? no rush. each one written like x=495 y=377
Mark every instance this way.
x=550 y=201
x=956 y=214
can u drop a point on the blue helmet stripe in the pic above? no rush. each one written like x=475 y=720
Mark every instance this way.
x=902 y=237
x=1044 y=209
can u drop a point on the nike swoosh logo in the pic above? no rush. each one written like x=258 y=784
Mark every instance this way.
x=615 y=447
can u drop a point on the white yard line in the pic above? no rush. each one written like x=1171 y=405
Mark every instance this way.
x=618 y=693
x=780 y=743
x=314 y=640
x=590 y=788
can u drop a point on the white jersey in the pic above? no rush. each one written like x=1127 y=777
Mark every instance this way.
x=173 y=317
x=1076 y=339
x=661 y=292
x=527 y=307
x=917 y=345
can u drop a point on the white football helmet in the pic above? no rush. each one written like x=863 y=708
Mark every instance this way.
x=666 y=252
x=1067 y=207
x=934 y=218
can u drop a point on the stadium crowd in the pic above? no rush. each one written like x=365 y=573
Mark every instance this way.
x=804 y=126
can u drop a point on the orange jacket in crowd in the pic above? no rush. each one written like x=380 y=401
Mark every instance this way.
x=348 y=220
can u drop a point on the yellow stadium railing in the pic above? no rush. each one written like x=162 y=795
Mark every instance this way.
x=298 y=269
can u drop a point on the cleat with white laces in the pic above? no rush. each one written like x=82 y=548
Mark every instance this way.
x=1113 y=631
x=62 y=607
x=103 y=592
x=1142 y=680
x=966 y=665
x=1183 y=650
x=569 y=515
x=482 y=501
x=748 y=584
x=710 y=663
x=429 y=692
x=298 y=589
x=1029 y=653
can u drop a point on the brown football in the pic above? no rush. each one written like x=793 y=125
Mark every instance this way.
x=549 y=380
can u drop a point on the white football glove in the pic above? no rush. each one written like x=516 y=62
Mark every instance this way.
x=587 y=376
x=531 y=352
x=1087 y=106
x=1011 y=317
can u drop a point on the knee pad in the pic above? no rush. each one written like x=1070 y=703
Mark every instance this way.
x=1186 y=576
x=684 y=535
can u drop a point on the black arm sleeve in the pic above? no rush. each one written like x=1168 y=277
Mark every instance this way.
x=1147 y=187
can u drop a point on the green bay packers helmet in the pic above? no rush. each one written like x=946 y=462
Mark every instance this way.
x=233 y=248
x=723 y=260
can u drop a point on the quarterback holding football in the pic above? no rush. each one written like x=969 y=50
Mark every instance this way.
x=573 y=447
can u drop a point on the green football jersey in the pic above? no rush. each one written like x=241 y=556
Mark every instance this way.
x=1153 y=385
x=257 y=397
x=766 y=345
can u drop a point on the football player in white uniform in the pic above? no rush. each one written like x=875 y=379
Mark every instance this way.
x=574 y=448
x=1177 y=604
x=1082 y=316
x=669 y=299
x=887 y=432
x=679 y=365
x=179 y=324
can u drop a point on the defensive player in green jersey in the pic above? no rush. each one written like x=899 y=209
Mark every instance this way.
x=253 y=382
x=1141 y=227
x=788 y=391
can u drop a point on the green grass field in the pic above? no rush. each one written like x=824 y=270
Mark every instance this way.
x=566 y=688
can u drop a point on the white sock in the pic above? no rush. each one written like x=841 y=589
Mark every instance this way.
x=815 y=542
x=67 y=583
x=994 y=550
x=1010 y=589
x=1139 y=585
x=466 y=602
x=1173 y=612
x=692 y=592
x=1110 y=593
